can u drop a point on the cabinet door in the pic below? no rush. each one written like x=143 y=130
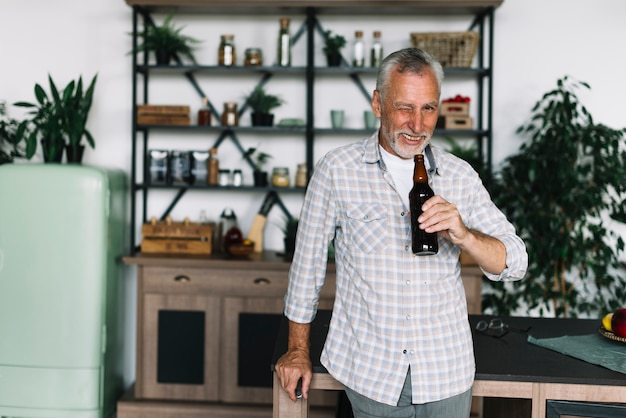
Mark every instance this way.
x=249 y=333
x=179 y=349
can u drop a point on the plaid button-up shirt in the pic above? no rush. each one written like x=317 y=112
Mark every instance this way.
x=392 y=309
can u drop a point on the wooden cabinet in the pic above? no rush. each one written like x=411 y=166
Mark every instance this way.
x=206 y=329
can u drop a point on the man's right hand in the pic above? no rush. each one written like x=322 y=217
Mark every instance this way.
x=291 y=367
x=295 y=364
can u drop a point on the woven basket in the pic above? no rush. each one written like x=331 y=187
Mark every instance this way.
x=451 y=49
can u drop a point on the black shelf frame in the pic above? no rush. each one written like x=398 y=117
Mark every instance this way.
x=483 y=22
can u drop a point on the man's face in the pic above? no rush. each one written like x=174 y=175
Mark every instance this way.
x=408 y=112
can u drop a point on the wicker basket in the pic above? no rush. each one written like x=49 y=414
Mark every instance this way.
x=451 y=49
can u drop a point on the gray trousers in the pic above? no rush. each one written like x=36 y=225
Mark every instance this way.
x=455 y=407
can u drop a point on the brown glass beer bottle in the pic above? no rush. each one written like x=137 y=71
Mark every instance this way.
x=422 y=242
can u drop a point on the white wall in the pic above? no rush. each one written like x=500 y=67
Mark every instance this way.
x=537 y=42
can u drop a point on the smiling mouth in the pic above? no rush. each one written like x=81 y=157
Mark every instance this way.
x=413 y=138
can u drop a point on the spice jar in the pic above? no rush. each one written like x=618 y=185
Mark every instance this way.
x=301 y=175
x=226 y=55
x=237 y=179
x=280 y=177
x=254 y=57
x=224 y=178
x=230 y=117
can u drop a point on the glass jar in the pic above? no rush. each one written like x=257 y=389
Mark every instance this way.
x=230 y=117
x=224 y=178
x=280 y=177
x=254 y=57
x=301 y=175
x=237 y=178
x=226 y=55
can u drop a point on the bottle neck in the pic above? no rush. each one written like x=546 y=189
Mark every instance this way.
x=419 y=172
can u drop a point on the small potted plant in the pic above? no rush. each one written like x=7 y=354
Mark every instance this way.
x=262 y=105
x=44 y=125
x=166 y=41
x=332 y=48
x=258 y=159
x=75 y=105
x=290 y=230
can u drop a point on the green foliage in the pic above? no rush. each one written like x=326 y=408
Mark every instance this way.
x=167 y=38
x=333 y=43
x=290 y=227
x=57 y=117
x=469 y=154
x=263 y=103
x=259 y=158
x=11 y=145
x=558 y=191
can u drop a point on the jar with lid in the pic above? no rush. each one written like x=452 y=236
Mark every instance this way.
x=224 y=178
x=301 y=175
x=280 y=177
x=230 y=117
x=237 y=179
x=226 y=55
x=254 y=57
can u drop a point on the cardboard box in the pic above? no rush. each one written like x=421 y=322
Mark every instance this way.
x=454 y=122
x=454 y=109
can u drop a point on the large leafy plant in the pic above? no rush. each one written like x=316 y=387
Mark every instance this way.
x=567 y=180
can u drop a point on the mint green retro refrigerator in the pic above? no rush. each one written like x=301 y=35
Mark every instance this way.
x=62 y=235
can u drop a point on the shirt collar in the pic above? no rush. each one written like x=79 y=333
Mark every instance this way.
x=371 y=155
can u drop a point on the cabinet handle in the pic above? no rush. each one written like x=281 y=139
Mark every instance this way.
x=261 y=281
x=182 y=279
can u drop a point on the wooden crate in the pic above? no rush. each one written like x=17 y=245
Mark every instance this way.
x=454 y=122
x=454 y=109
x=169 y=237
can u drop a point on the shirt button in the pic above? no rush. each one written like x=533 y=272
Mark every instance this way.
x=412 y=352
x=404 y=351
x=406 y=248
x=402 y=213
x=408 y=317
x=366 y=217
x=408 y=282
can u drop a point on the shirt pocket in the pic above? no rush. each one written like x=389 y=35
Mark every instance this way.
x=367 y=227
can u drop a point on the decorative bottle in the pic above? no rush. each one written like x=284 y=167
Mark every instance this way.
x=422 y=242
x=213 y=168
x=376 y=56
x=358 y=50
x=204 y=114
x=284 y=44
x=226 y=56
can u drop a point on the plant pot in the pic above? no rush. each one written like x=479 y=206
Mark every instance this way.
x=163 y=57
x=262 y=119
x=290 y=247
x=74 y=153
x=260 y=179
x=51 y=153
x=333 y=60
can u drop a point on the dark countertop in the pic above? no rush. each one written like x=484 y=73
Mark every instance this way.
x=508 y=358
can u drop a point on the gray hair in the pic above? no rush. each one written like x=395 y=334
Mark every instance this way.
x=409 y=59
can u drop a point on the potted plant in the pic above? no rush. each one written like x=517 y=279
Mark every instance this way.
x=559 y=191
x=262 y=105
x=290 y=229
x=74 y=106
x=44 y=125
x=469 y=154
x=258 y=159
x=167 y=42
x=11 y=145
x=332 y=48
